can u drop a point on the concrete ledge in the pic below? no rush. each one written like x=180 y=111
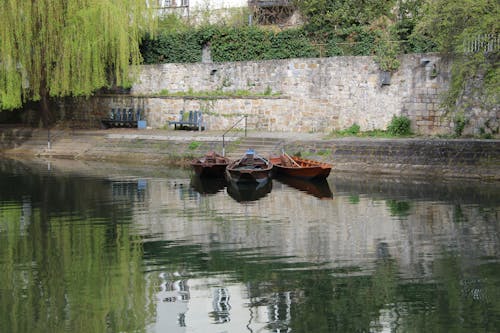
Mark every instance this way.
x=468 y=159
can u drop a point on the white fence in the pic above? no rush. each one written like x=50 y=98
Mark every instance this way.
x=483 y=43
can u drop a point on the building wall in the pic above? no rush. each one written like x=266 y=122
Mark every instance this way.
x=217 y=4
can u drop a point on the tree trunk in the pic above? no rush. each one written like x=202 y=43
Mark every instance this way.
x=44 y=105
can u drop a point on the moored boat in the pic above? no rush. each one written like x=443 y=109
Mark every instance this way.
x=249 y=169
x=210 y=165
x=294 y=166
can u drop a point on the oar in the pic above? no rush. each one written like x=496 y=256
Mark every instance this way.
x=291 y=159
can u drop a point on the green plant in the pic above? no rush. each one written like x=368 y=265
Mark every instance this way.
x=398 y=208
x=354 y=129
x=353 y=199
x=268 y=91
x=194 y=145
x=459 y=121
x=399 y=126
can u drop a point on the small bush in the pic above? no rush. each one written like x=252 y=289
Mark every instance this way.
x=399 y=126
x=459 y=121
x=194 y=145
x=353 y=130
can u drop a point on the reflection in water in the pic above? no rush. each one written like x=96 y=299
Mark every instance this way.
x=207 y=185
x=221 y=307
x=244 y=192
x=318 y=188
x=137 y=252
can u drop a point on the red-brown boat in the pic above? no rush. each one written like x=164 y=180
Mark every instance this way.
x=210 y=165
x=294 y=166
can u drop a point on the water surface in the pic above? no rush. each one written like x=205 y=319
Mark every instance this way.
x=109 y=248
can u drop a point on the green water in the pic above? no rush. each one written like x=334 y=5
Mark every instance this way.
x=108 y=248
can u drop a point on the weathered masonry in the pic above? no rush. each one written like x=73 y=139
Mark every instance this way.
x=305 y=95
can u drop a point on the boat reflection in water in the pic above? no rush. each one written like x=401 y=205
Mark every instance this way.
x=244 y=192
x=315 y=187
x=206 y=185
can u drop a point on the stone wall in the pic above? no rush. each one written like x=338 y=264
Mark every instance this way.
x=319 y=94
x=430 y=158
x=304 y=95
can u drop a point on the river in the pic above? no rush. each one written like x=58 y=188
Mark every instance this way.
x=92 y=247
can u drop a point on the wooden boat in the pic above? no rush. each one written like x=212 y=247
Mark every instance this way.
x=210 y=165
x=300 y=167
x=251 y=168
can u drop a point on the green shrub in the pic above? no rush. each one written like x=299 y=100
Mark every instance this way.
x=291 y=43
x=194 y=145
x=399 y=126
x=353 y=130
x=459 y=121
x=171 y=47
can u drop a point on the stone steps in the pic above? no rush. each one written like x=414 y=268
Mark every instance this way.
x=68 y=147
x=262 y=146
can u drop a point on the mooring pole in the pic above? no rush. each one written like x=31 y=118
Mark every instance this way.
x=48 y=138
x=223 y=146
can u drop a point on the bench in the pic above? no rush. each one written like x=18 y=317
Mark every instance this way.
x=189 y=120
x=126 y=117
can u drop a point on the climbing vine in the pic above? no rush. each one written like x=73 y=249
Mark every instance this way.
x=469 y=31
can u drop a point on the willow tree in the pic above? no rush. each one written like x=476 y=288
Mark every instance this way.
x=57 y=48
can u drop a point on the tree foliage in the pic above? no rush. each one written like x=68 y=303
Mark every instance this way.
x=323 y=17
x=452 y=25
x=67 y=47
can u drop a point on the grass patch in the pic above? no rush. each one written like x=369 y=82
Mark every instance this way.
x=398 y=127
x=194 y=145
x=218 y=93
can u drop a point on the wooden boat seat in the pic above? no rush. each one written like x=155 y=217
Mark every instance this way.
x=285 y=161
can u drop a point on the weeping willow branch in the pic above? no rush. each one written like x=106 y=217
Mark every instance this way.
x=68 y=47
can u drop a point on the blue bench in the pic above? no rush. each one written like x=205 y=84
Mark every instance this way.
x=126 y=117
x=189 y=120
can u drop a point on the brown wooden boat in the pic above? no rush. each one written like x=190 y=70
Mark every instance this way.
x=251 y=168
x=210 y=165
x=294 y=166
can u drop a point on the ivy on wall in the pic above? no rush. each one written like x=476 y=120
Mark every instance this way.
x=227 y=44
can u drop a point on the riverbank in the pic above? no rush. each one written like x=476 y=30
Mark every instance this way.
x=422 y=157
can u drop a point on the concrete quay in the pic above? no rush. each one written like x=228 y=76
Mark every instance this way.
x=418 y=157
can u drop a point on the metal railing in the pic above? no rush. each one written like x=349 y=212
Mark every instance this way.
x=229 y=129
x=484 y=42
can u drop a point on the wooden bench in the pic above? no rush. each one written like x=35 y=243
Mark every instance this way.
x=189 y=120
x=126 y=117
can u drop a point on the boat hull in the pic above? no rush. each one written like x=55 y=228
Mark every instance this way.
x=303 y=168
x=255 y=173
x=211 y=165
x=214 y=170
